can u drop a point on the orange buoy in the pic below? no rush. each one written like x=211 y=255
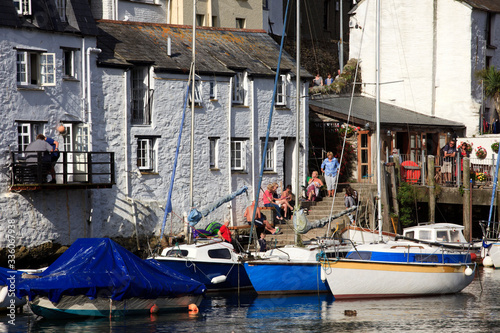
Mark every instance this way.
x=154 y=309
x=193 y=308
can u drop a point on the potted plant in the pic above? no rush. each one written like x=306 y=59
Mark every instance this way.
x=347 y=130
x=481 y=152
x=494 y=147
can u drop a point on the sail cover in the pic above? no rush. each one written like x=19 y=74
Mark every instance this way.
x=99 y=267
x=302 y=225
x=195 y=215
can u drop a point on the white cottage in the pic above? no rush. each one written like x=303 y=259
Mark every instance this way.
x=429 y=54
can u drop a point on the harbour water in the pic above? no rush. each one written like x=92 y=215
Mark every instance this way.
x=475 y=309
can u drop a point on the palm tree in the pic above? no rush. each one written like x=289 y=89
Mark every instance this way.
x=491 y=81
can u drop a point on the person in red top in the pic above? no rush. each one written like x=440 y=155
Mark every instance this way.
x=224 y=232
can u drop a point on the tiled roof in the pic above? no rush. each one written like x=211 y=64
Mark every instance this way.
x=486 y=5
x=46 y=18
x=363 y=110
x=218 y=50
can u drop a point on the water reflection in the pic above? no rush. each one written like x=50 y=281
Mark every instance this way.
x=473 y=310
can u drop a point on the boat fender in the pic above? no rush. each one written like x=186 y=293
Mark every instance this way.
x=468 y=271
x=473 y=256
x=323 y=275
x=154 y=309
x=193 y=308
x=487 y=262
x=218 y=279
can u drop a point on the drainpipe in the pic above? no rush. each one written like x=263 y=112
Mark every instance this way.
x=253 y=118
x=83 y=83
x=89 y=95
x=168 y=11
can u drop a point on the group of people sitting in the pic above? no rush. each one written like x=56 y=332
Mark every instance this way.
x=281 y=203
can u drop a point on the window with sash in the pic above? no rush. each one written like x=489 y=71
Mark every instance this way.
x=69 y=56
x=238 y=88
x=146 y=154
x=269 y=164
x=281 y=91
x=142 y=96
x=238 y=155
x=23 y=7
x=214 y=153
x=26 y=133
x=35 y=68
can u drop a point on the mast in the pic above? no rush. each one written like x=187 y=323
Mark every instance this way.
x=377 y=82
x=193 y=88
x=297 y=120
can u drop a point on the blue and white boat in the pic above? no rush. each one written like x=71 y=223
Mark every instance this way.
x=98 y=278
x=210 y=261
x=287 y=270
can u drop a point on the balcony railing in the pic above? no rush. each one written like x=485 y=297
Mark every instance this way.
x=74 y=169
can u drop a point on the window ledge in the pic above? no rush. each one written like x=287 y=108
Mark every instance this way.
x=239 y=172
x=140 y=125
x=149 y=173
x=144 y=2
x=240 y=106
x=491 y=47
x=70 y=78
x=214 y=100
x=30 y=88
x=269 y=172
x=282 y=107
x=214 y=169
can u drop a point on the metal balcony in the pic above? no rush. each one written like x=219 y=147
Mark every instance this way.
x=74 y=170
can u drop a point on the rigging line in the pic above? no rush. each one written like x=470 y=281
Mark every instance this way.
x=348 y=117
x=269 y=122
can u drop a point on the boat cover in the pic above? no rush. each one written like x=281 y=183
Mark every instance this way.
x=6 y=273
x=99 y=267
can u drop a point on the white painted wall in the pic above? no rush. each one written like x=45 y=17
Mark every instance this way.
x=407 y=67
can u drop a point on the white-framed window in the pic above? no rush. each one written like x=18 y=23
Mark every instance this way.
x=213 y=88
x=61 y=9
x=197 y=93
x=26 y=133
x=214 y=153
x=23 y=7
x=142 y=96
x=240 y=23
x=69 y=56
x=281 y=91
x=238 y=155
x=269 y=164
x=35 y=68
x=238 y=88
x=146 y=154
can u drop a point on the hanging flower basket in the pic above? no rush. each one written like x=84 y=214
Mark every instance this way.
x=481 y=152
x=347 y=130
x=494 y=147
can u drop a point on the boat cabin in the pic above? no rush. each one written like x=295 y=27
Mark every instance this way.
x=436 y=232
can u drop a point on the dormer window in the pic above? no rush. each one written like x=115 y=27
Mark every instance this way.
x=61 y=9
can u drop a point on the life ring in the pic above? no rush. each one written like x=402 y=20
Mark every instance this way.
x=410 y=171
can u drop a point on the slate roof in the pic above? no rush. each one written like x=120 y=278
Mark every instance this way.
x=218 y=50
x=45 y=17
x=364 y=110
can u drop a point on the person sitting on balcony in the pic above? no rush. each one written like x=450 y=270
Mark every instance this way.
x=39 y=145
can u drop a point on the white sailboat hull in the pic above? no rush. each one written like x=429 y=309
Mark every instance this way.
x=493 y=252
x=367 y=279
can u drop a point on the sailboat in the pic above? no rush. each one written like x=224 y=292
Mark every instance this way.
x=395 y=268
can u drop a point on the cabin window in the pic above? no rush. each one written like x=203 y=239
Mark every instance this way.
x=238 y=89
x=281 y=91
x=424 y=235
x=270 y=155
x=146 y=154
x=177 y=253
x=442 y=236
x=238 y=155
x=410 y=234
x=142 y=96
x=363 y=255
x=35 y=68
x=214 y=153
x=426 y=258
x=455 y=236
x=219 y=254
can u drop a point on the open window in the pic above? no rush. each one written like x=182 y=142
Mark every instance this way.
x=35 y=68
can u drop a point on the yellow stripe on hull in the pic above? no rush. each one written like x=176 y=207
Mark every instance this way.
x=395 y=267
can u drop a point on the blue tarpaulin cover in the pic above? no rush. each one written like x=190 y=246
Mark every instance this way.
x=99 y=267
x=7 y=273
